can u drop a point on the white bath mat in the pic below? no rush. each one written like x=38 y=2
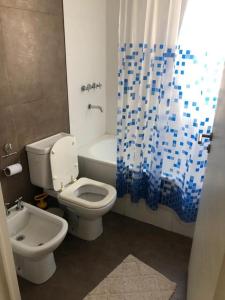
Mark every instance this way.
x=133 y=280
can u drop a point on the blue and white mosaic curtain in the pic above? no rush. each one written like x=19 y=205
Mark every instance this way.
x=169 y=77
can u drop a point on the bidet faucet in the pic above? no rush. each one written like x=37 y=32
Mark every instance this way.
x=19 y=203
x=90 y=106
x=7 y=211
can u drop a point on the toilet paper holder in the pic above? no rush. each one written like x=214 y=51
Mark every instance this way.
x=13 y=169
x=8 y=150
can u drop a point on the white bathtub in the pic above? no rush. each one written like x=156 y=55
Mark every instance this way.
x=97 y=160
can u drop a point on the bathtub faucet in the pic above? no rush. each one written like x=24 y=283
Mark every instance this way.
x=90 y=106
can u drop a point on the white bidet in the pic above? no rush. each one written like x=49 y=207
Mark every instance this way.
x=34 y=235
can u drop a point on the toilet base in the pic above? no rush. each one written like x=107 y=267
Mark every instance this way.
x=85 y=229
x=35 y=270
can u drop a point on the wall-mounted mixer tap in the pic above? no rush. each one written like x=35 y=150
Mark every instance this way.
x=90 y=106
x=7 y=211
x=91 y=86
x=19 y=203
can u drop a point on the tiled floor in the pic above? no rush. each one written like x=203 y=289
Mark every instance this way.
x=82 y=265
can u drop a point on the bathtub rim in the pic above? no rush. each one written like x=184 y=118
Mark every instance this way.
x=91 y=157
x=104 y=162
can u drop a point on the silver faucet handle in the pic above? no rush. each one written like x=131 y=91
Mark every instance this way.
x=19 y=203
x=7 y=211
x=99 y=85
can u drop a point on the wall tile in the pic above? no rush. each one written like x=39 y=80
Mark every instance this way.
x=5 y=93
x=52 y=67
x=7 y=128
x=33 y=87
x=45 y=6
x=50 y=6
x=39 y=119
x=19 y=185
x=22 y=46
x=26 y=123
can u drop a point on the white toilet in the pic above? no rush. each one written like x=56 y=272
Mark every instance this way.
x=53 y=164
x=34 y=235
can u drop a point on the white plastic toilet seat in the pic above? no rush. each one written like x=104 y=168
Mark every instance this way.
x=68 y=194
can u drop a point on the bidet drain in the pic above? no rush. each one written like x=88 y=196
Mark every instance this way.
x=20 y=237
x=40 y=244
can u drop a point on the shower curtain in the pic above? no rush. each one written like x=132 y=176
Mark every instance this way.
x=170 y=68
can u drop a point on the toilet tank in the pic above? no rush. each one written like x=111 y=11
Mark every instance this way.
x=38 y=154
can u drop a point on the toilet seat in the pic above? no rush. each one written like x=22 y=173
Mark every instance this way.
x=69 y=193
x=64 y=168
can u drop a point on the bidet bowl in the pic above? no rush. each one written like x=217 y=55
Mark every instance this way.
x=34 y=235
x=35 y=232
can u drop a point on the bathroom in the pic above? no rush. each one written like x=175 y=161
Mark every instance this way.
x=87 y=211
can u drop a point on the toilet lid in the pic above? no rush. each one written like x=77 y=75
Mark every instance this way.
x=64 y=162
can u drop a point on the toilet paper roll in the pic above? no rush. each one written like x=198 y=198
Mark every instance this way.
x=13 y=169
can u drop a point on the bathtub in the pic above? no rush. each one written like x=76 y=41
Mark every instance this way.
x=97 y=160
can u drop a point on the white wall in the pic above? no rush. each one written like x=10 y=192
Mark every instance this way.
x=112 y=22
x=85 y=38
x=91 y=37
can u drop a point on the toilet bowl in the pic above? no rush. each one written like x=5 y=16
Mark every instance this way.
x=87 y=201
x=34 y=235
x=53 y=165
